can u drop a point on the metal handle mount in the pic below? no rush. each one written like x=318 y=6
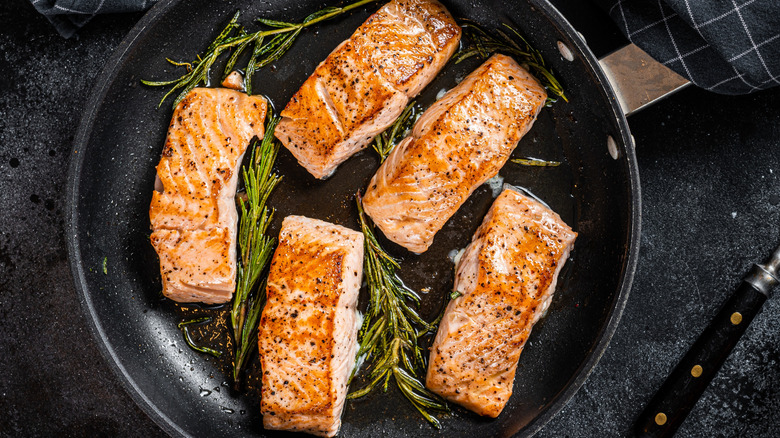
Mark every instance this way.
x=638 y=79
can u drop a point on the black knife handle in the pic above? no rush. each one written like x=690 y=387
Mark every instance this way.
x=679 y=393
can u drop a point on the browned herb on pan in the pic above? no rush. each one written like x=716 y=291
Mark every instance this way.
x=184 y=326
x=509 y=41
x=384 y=143
x=265 y=46
x=535 y=162
x=255 y=246
x=391 y=330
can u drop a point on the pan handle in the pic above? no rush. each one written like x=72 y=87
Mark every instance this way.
x=637 y=79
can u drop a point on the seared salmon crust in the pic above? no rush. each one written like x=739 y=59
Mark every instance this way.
x=193 y=210
x=506 y=279
x=365 y=83
x=308 y=330
x=458 y=143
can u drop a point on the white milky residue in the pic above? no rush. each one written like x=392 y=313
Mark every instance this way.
x=496 y=185
x=441 y=93
x=358 y=323
x=455 y=255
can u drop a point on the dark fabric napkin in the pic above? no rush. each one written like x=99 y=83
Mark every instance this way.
x=725 y=46
x=68 y=16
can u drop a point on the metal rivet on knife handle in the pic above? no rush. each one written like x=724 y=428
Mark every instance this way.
x=688 y=381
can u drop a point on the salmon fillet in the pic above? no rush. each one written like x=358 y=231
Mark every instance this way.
x=506 y=278
x=193 y=211
x=460 y=142
x=365 y=83
x=308 y=330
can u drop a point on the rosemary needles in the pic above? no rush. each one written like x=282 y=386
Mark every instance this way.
x=535 y=162
x=384 y=143
x=184 y=326
x=388 y=337
x=255 y=247
x=267 y=46
x=508 y=40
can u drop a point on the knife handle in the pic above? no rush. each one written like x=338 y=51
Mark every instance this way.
x=679 y=393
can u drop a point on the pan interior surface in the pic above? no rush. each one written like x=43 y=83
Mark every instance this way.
x=188 y=393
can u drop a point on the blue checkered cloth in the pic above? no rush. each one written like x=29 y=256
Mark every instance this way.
x=725 y=46
x=68 y=16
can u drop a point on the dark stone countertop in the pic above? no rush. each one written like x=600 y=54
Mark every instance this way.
x=709 y=166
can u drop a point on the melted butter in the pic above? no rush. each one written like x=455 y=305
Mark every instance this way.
x=455 y=255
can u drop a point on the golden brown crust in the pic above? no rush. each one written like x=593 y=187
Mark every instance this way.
x=506 y=276
x=341 y=95
x=408 y=42
x=366 y=82
x=308 y=331
x=192 y=212
x=457 y=144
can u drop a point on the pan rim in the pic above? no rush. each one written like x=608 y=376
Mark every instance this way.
x=97 y=95
x=627 y=150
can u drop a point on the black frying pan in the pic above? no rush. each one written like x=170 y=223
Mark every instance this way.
x=185 y=392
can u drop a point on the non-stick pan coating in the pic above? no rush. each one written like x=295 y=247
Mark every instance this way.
x=185 y=392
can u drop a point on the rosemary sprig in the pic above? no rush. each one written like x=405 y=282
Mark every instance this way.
x=184 y=326
x=535 y=162
x=483 y=44
x=388 y=336
x=235 y=37
x=254 y=245
x=384 y=143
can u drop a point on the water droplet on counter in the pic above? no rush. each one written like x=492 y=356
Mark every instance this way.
x=227 y=410
x=204 y=392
